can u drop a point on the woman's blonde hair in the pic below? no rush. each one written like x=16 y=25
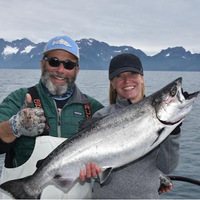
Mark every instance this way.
x=113 y=93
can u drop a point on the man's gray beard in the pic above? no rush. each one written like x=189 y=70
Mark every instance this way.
x=56 y=89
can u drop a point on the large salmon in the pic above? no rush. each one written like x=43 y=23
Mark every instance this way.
x=110 y=142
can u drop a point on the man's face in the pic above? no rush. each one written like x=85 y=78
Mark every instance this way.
x=58 y=80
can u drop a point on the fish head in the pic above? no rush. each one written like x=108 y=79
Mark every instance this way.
x=172 y=104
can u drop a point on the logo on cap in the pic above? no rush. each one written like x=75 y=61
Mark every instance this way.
x=62 y=42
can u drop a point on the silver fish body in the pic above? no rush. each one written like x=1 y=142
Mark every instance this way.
x=110 y=142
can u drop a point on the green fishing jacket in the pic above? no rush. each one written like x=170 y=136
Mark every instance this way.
x=61 y=125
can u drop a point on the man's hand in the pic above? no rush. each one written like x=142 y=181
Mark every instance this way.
x=92 y=171
x=29 y=121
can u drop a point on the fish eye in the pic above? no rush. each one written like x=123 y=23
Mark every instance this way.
x=173 y=93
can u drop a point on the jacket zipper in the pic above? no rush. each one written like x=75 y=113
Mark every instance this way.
x=58 y=121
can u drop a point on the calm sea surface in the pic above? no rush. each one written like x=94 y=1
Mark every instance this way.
x=96 y=84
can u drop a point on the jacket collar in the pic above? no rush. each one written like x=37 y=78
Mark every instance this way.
x=122 y=102
x=78 y=97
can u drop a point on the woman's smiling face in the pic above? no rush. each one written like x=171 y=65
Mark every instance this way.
x=128 y=86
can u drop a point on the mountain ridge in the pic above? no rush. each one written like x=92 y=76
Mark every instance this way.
x=95 y=55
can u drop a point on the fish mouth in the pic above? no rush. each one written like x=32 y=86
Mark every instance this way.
x=171 y=123
x=186 y=100
x=190 y=96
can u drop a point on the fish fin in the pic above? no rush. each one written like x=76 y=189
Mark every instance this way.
x=159 y=132
x=65 y=183
x=87 y=123
x=16 y=189
x=105 y=174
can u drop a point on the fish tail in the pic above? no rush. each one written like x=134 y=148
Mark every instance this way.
x=17 y=190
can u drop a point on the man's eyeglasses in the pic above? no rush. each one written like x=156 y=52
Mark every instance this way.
x=55 y=62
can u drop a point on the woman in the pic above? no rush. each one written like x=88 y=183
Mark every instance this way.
x=139 y=179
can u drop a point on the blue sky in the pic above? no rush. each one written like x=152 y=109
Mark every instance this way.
x=149 y=25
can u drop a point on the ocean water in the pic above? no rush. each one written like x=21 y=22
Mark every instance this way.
x=96 y=84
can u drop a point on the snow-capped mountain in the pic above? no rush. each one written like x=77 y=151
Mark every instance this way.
x=96 y=55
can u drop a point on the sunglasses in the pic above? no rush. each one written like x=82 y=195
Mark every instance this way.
x=55 y=62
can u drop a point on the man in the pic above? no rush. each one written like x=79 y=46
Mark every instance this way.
x=53 y=107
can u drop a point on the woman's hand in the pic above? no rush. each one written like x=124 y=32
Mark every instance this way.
x=92 y=171
x=163 y=188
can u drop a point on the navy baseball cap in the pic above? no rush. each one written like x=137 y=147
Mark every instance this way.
x=64 y=43
x=123 y=63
